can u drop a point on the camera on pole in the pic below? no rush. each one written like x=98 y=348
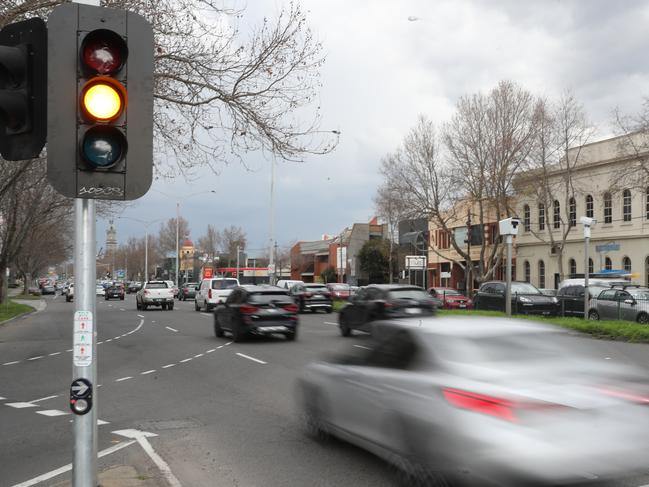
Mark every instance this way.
x=23 y=89
x=100 y=103
x=509 y=228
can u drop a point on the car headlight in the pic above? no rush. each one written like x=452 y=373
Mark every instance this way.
x=554 y=300
x=523 y=299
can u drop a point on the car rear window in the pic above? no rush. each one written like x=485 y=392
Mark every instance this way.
x=340 y=287
x=269 y=297
x=448 y=292
x=418 y=294
x=322 y=289
x=524 y=288
x=157 y=285
x=224 y=283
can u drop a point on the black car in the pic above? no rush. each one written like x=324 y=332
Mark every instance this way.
x=259 y=310
x=571 y=298
x=48 y=289
x=526 y=299
x=380 y=301
x=312 y=297
x=116 y=292
x=188 y=291
x=133 y=287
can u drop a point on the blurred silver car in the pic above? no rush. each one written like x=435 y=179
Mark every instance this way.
x=482 y=401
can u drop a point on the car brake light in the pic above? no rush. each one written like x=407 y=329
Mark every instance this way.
x=245 y=308
x=630 y=396
x=209 y=294
x=292 y=308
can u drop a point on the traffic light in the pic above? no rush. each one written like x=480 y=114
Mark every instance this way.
x=23 y=89
x=100 y=103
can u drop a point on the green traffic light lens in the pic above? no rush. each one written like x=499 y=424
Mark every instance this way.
x=103 y=147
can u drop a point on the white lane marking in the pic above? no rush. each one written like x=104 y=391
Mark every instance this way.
x=152 y=321
x=172 y=329
x=168 y=365
x=330 y=323
x=186 y=360
x=35 y=358
x=207 y=314
x=609 y=358
x=101 y=422
x=68 y=467
x=141 y=438
x=12 y=363
x=211 y=350
x=109 y=340
x=54 y=353
x=147 y=372
x=251 y=358
x=140 y=316
x=44 y=398
x=122 y=309
x=220 y=346
x=69 y=350
x=2 y=398
x=117 y=338
x=361 y=346
x=123 y=378
x=52 y=412
x=228 y=343
x=20 y=405
x=99 y=343
x=198 y=355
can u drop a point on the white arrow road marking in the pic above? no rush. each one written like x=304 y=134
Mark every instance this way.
x=101 y=422
x=141 y=438
x=44 y=398
x=20 y=405
x=172 y=329
x=251 y=358
x=52 y=412
x=68 y=467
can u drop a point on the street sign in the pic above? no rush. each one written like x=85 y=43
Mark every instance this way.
x=81 y=396
x=415 y=262
x=82 y=338
x=445 y=275
x=607 y=247
x=120 y=274
x=79 y=387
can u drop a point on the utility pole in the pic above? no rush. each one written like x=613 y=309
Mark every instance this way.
x=274 y=255
x=469 y=261
x=177 y=250
x=508 y=228
x=587 y=223
x=238 y=252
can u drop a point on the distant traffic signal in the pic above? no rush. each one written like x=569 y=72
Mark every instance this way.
x=23 y=89
x=100 y=103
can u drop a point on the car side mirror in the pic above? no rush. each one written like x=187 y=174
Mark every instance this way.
x=629 y=301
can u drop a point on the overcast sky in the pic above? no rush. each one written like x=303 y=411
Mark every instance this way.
x=386 y=63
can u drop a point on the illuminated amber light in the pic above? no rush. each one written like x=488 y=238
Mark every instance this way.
x=103 y=100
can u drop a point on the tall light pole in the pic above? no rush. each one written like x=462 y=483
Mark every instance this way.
x=587 y=223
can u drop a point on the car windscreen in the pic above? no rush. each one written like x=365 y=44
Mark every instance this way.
x=416 y=294
x=157 y=285
x=524 y=288
x=639 y=294
x=269 y=297
x=317 y=289
x=224 y=284
x=448 y=292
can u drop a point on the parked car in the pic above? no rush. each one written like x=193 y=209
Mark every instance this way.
x=69 y=293
x=450 y=298
x=100 y=290
x=115 y=291
x=34 y=291
x=287 y=283
x=256 y=310
x=339 y=291
x=188 y=291
x=628 y=303
x=571 y=297
x=526 y=299
x=155 y=293
x=213 y=291
x=48 y=289
x=380 y=301
x=133 y=287
x=312 y=297
x=509 y=403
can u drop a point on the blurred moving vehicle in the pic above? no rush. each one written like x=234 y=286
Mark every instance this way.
x=526 y=299
x=100 y=290
x=155 y=293
x=188 y=291
x=173 y=287
x=133 y=287
x=48 y=289
x=312 y=297
x=115 y=291
x=69 y=293
x=259 y=310
x=288 y=283
x=34 y=291
x=213 y=291
x=482 y=401
x=450 y=298
x=339 y=291
x=627 y=302
x=379 y=301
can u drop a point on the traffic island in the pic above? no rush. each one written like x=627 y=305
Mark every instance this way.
x=11 y=310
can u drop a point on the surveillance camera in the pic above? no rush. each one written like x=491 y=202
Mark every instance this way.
x=515 y=222
x=509 y=226
x=584 y=220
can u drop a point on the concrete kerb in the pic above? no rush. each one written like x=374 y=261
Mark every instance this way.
x=122 y=476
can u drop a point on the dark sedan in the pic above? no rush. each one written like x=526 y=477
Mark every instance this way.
x=379 y=301
x=258 y=310
x=116 y=292
x=188 y=291
x=312 y=297
x=526 y=299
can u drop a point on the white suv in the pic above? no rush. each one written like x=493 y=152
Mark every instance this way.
x=214 y=291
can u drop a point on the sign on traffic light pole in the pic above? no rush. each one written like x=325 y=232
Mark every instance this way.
x=23 y=89
x=100 y=103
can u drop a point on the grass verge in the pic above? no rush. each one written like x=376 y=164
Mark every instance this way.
x=11 y=310
x=25 y=296
x=627 y=331
x=338 y=304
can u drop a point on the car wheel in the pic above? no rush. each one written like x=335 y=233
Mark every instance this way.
x=164 y=307
x=171 y=307
x=345 y=330
x=314 y=415
x=144 y=307
x=237 y=334
x=196 y=307
x=291 y=335
x=208 y=308
x=593 y=315
x=643 y=318
x=328 y=310
x=122 y=298
x=301 y=310
x=137 y=305
x=218 y=331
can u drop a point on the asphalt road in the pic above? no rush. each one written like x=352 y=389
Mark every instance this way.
x=224 y=413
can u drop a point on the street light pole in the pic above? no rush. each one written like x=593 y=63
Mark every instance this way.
x=587 y=223
x=272 y=243
x=177 y=229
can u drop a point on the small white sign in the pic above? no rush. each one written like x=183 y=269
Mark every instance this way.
x=415 y=262
x=82 y=338
x=445 y=275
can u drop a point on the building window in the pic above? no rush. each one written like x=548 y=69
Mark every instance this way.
x=626 y=264
x=626 y=205
x=573 y=267
x=541 y=274
x=573 y=212
x=526 y=266
x=646 y=271
x=542 y=216
x=608 y=208
x=526 y=218
x=608 y=264
x=556 y=218
x=589 y=206
x=591 y=267
x=647 y=204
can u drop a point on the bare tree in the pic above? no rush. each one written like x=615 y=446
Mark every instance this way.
x=166 y=242
x=390 y=207
x=634 y=145
x=209 y=243
x=230 y=239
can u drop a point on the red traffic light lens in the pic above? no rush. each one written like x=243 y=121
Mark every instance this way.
x=104 y=52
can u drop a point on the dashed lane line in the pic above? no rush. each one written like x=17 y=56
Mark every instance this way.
x=361 y=346
x=35 y=358
x=146 y=372
x=251 y=358
x=198 y=355
x=20 y=405
x=211 y=350
x=53 y=354
x=207 y=314
x=52 y=412
x=172 y=329
x=123 y=379
x=44 y=398
x=330 y=323
x=186 y=360
x=12 y=363
x=168 y=365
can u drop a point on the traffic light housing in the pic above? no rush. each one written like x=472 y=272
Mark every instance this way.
x=100 y=103
x=23 y=89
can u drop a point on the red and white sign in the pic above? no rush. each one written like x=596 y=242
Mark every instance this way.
x=208 y=273
x=82 y=338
